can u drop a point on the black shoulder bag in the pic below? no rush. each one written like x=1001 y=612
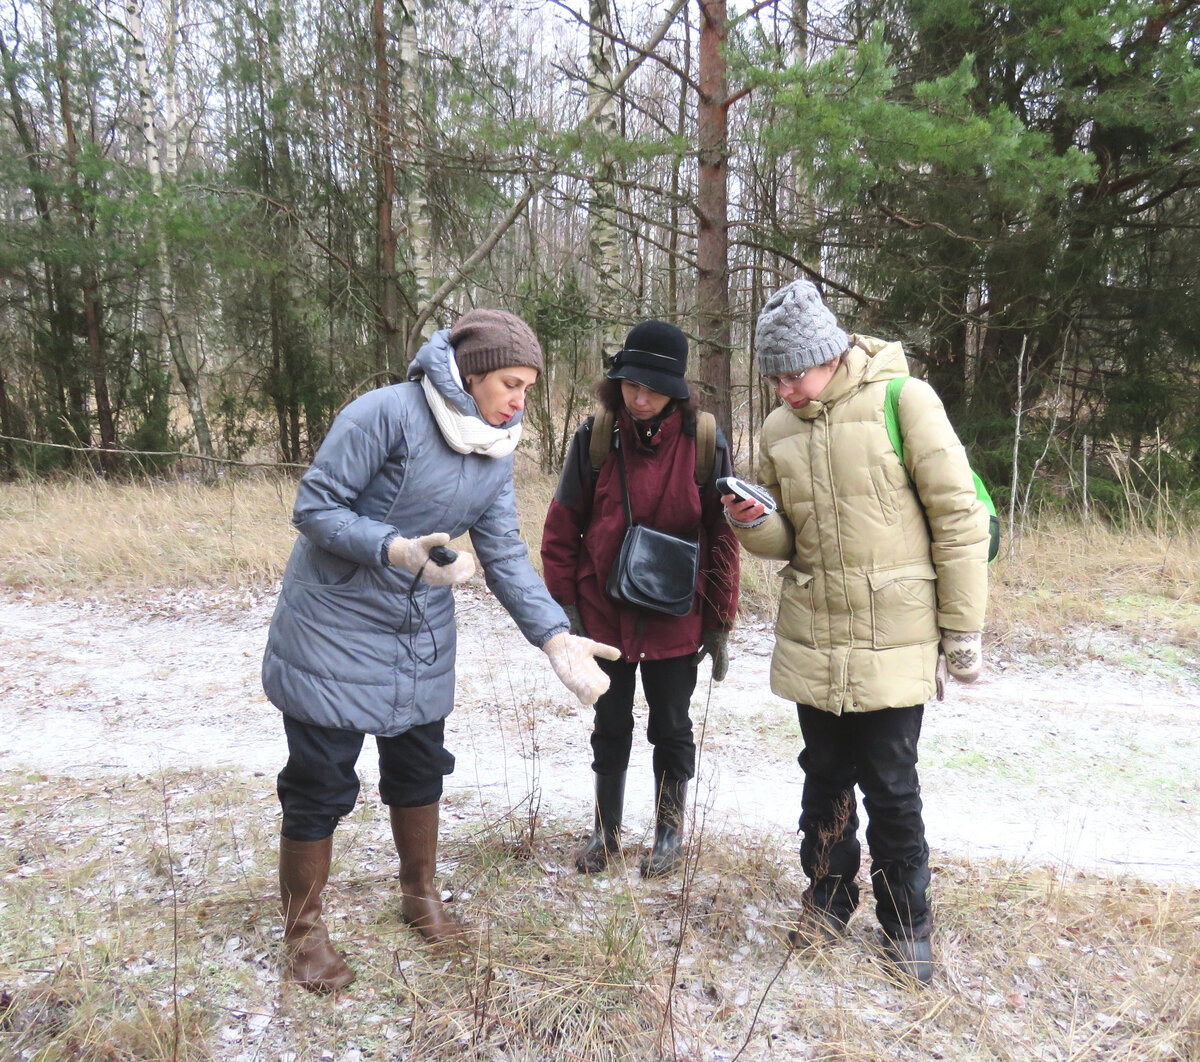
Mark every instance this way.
x=652 y=570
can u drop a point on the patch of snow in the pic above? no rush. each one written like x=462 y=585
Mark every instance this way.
x=1089 y=767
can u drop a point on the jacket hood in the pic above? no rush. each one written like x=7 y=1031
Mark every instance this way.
x=884 y=358
x=867 y=360
x=436 y=360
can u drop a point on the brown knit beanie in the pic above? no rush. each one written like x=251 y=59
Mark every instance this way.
x=486 y=340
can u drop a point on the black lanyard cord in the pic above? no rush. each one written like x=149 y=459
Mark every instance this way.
x=411 y=605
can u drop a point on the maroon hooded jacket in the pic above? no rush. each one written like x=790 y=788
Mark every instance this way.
x=585 y=525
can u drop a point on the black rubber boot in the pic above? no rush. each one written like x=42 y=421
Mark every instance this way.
x=911 y=957
x=605 y=841
x=667 y=852
x=813 y=928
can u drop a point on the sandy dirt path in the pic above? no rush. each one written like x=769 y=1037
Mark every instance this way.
x=1091 y=768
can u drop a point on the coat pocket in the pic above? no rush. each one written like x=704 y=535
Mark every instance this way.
x=903 y=606
x=796 y=621
x=318 y=567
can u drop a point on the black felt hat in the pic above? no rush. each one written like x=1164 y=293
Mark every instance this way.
x=655 y=356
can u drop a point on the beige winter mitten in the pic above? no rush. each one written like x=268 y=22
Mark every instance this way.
x=413 y=554
x=573 y=660
x=964 y=654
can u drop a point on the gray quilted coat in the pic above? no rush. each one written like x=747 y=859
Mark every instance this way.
x=353 y=643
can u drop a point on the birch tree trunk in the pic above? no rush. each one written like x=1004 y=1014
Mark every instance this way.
x=163 y=281
x=712 y=250
x=808 y=249
x=93 y=310
x=604 y=244
x=412 y=133
x=388 y=346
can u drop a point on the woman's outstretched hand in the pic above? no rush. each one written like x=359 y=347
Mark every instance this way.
x=574 y=662
x=413 y=554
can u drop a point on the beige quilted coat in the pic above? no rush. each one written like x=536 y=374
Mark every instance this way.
x=869 y=581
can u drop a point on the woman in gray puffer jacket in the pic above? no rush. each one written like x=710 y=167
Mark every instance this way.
x=363 y=640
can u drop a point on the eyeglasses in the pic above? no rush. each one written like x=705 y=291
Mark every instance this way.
x=792 y=379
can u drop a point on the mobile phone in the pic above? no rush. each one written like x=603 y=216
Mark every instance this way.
x=441 y=556
x=746 y=491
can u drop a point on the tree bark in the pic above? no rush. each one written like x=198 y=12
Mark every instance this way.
x=162 y=282
x=712 y=250
x=389 y=347
x=8 y=465
x=412 y=132
x=603 y=234
x=93 y=309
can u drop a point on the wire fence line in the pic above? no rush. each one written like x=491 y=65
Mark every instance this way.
x=182 y=454
x=178 y=454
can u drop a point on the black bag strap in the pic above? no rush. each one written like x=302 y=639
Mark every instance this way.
x=621 y=472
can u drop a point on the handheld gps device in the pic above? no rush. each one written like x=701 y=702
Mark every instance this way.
x=746 y=491
x=441 y=556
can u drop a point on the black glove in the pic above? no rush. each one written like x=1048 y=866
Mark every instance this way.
x=576 y=620
x=715 y=644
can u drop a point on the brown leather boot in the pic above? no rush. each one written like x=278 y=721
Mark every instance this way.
x=415 y=831
x=311 y=960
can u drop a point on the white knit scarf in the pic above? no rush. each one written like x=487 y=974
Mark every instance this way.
x=469 y=435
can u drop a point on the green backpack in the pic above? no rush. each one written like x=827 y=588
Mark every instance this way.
x=891 y=417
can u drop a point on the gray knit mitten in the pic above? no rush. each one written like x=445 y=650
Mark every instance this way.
x=964 y=654
x=413 y=554
x=573 y=660
x=576 y=621
x=715 y=645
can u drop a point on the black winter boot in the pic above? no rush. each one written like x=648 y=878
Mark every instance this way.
x=667 y=852
x=605 y=841
x=911 y=957
x=814 y=927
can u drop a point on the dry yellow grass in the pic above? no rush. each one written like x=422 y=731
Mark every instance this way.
x=1143 y=584
x=82 y=537
x=85 y=536
x=140 y=923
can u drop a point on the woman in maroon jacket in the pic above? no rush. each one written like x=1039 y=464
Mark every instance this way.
x=654 y=415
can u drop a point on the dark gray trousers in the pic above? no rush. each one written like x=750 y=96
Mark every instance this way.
x=318 y=785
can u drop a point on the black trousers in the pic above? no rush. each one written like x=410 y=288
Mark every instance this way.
x=318 y=785
x=877 y=751
x=668 y=686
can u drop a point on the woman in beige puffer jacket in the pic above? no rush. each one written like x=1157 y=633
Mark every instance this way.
x=884 y=567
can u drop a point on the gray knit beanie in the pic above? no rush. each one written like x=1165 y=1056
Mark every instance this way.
x=486 y=340
x=797 y=331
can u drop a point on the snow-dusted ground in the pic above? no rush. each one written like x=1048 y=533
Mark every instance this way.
x=1092 y=767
